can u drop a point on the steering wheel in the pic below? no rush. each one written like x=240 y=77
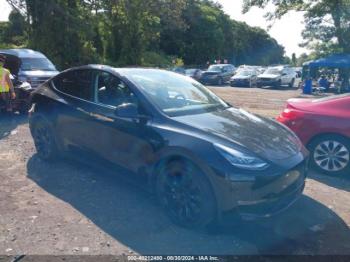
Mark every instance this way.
x=181 y=96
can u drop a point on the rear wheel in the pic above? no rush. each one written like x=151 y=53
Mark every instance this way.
x=330 y=154
x=186 y=194
x=43 y=137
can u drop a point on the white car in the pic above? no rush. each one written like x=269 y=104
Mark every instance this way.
x=277 y=76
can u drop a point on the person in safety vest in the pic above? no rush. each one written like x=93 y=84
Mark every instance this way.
x=7 y=91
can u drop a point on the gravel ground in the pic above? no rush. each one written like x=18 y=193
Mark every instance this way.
x=63 y=207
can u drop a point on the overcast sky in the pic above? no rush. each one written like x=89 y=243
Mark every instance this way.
x=286 y=31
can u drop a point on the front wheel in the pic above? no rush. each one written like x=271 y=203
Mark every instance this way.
x=24 y=108
x=331 y=155
x=43 y=137
x=186 y=194
x=278 y=84
x=291 y=84
x=220 y=81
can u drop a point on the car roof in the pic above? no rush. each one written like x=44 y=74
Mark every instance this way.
x=277 y=67
x=221 y=65
x=22 y=53
x=120 y=71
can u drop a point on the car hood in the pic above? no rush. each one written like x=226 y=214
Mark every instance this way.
x=268 y=76
x=265 y=137
x=38 y=73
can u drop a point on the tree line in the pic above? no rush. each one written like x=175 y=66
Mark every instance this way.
x=136 y=32
x=327 y=23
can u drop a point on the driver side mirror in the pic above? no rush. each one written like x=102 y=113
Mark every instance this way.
x=127 y=110
x=130 y=111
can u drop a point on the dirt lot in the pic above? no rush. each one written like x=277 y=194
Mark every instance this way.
x=68 y=208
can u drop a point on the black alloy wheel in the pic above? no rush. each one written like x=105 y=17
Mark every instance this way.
x=186 y=194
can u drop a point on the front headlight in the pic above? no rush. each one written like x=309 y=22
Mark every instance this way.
x=240 y=159
x=26 y=86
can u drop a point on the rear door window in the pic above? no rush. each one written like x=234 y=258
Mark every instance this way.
x=77 y=83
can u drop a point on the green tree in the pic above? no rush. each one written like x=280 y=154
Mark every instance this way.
x=14 y=32
x=142 y=32
x=326 y=21
x=294 y=59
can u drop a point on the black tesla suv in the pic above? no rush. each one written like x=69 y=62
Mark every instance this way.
x=200 y=155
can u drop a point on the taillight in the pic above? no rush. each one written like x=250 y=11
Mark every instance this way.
x=291 y=114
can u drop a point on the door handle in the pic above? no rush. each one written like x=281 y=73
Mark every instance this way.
x=96 y=116
x=102 y=117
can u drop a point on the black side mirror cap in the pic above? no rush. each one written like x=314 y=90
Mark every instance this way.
x=127 y=110
x=130 y=111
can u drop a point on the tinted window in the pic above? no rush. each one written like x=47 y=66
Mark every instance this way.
x=112 y=91
x=76 y=83
x=31 y=64
x=273 y=71
x=175 y=94
x=215 y=68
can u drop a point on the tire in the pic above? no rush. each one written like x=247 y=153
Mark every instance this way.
x=321 y=147
x=186 y=194
x=220 y=81
x=44 y=139
x=291 y=84
x=250 y=84
x=23 y=110
x=278 y=84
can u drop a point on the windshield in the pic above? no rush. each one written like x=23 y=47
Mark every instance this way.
x=245 y=73
x=215 y=68
x=175 y=94
x=190 y=72
x=31 y=64
x=273 y=71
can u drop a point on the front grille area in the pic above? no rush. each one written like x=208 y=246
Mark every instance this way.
x=275 y=186
x=266 y=79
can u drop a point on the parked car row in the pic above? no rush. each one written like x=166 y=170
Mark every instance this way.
x=245 y=75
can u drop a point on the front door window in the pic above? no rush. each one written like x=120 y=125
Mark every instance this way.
x=112 y=91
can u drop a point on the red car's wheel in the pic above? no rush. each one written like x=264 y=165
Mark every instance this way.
x=330 y=154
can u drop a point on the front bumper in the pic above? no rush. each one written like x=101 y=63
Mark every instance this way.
x=267 y=82
x=240 y=82
x=209 y=80
x=264 y=195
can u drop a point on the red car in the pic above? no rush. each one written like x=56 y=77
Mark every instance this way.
x=323 y=125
